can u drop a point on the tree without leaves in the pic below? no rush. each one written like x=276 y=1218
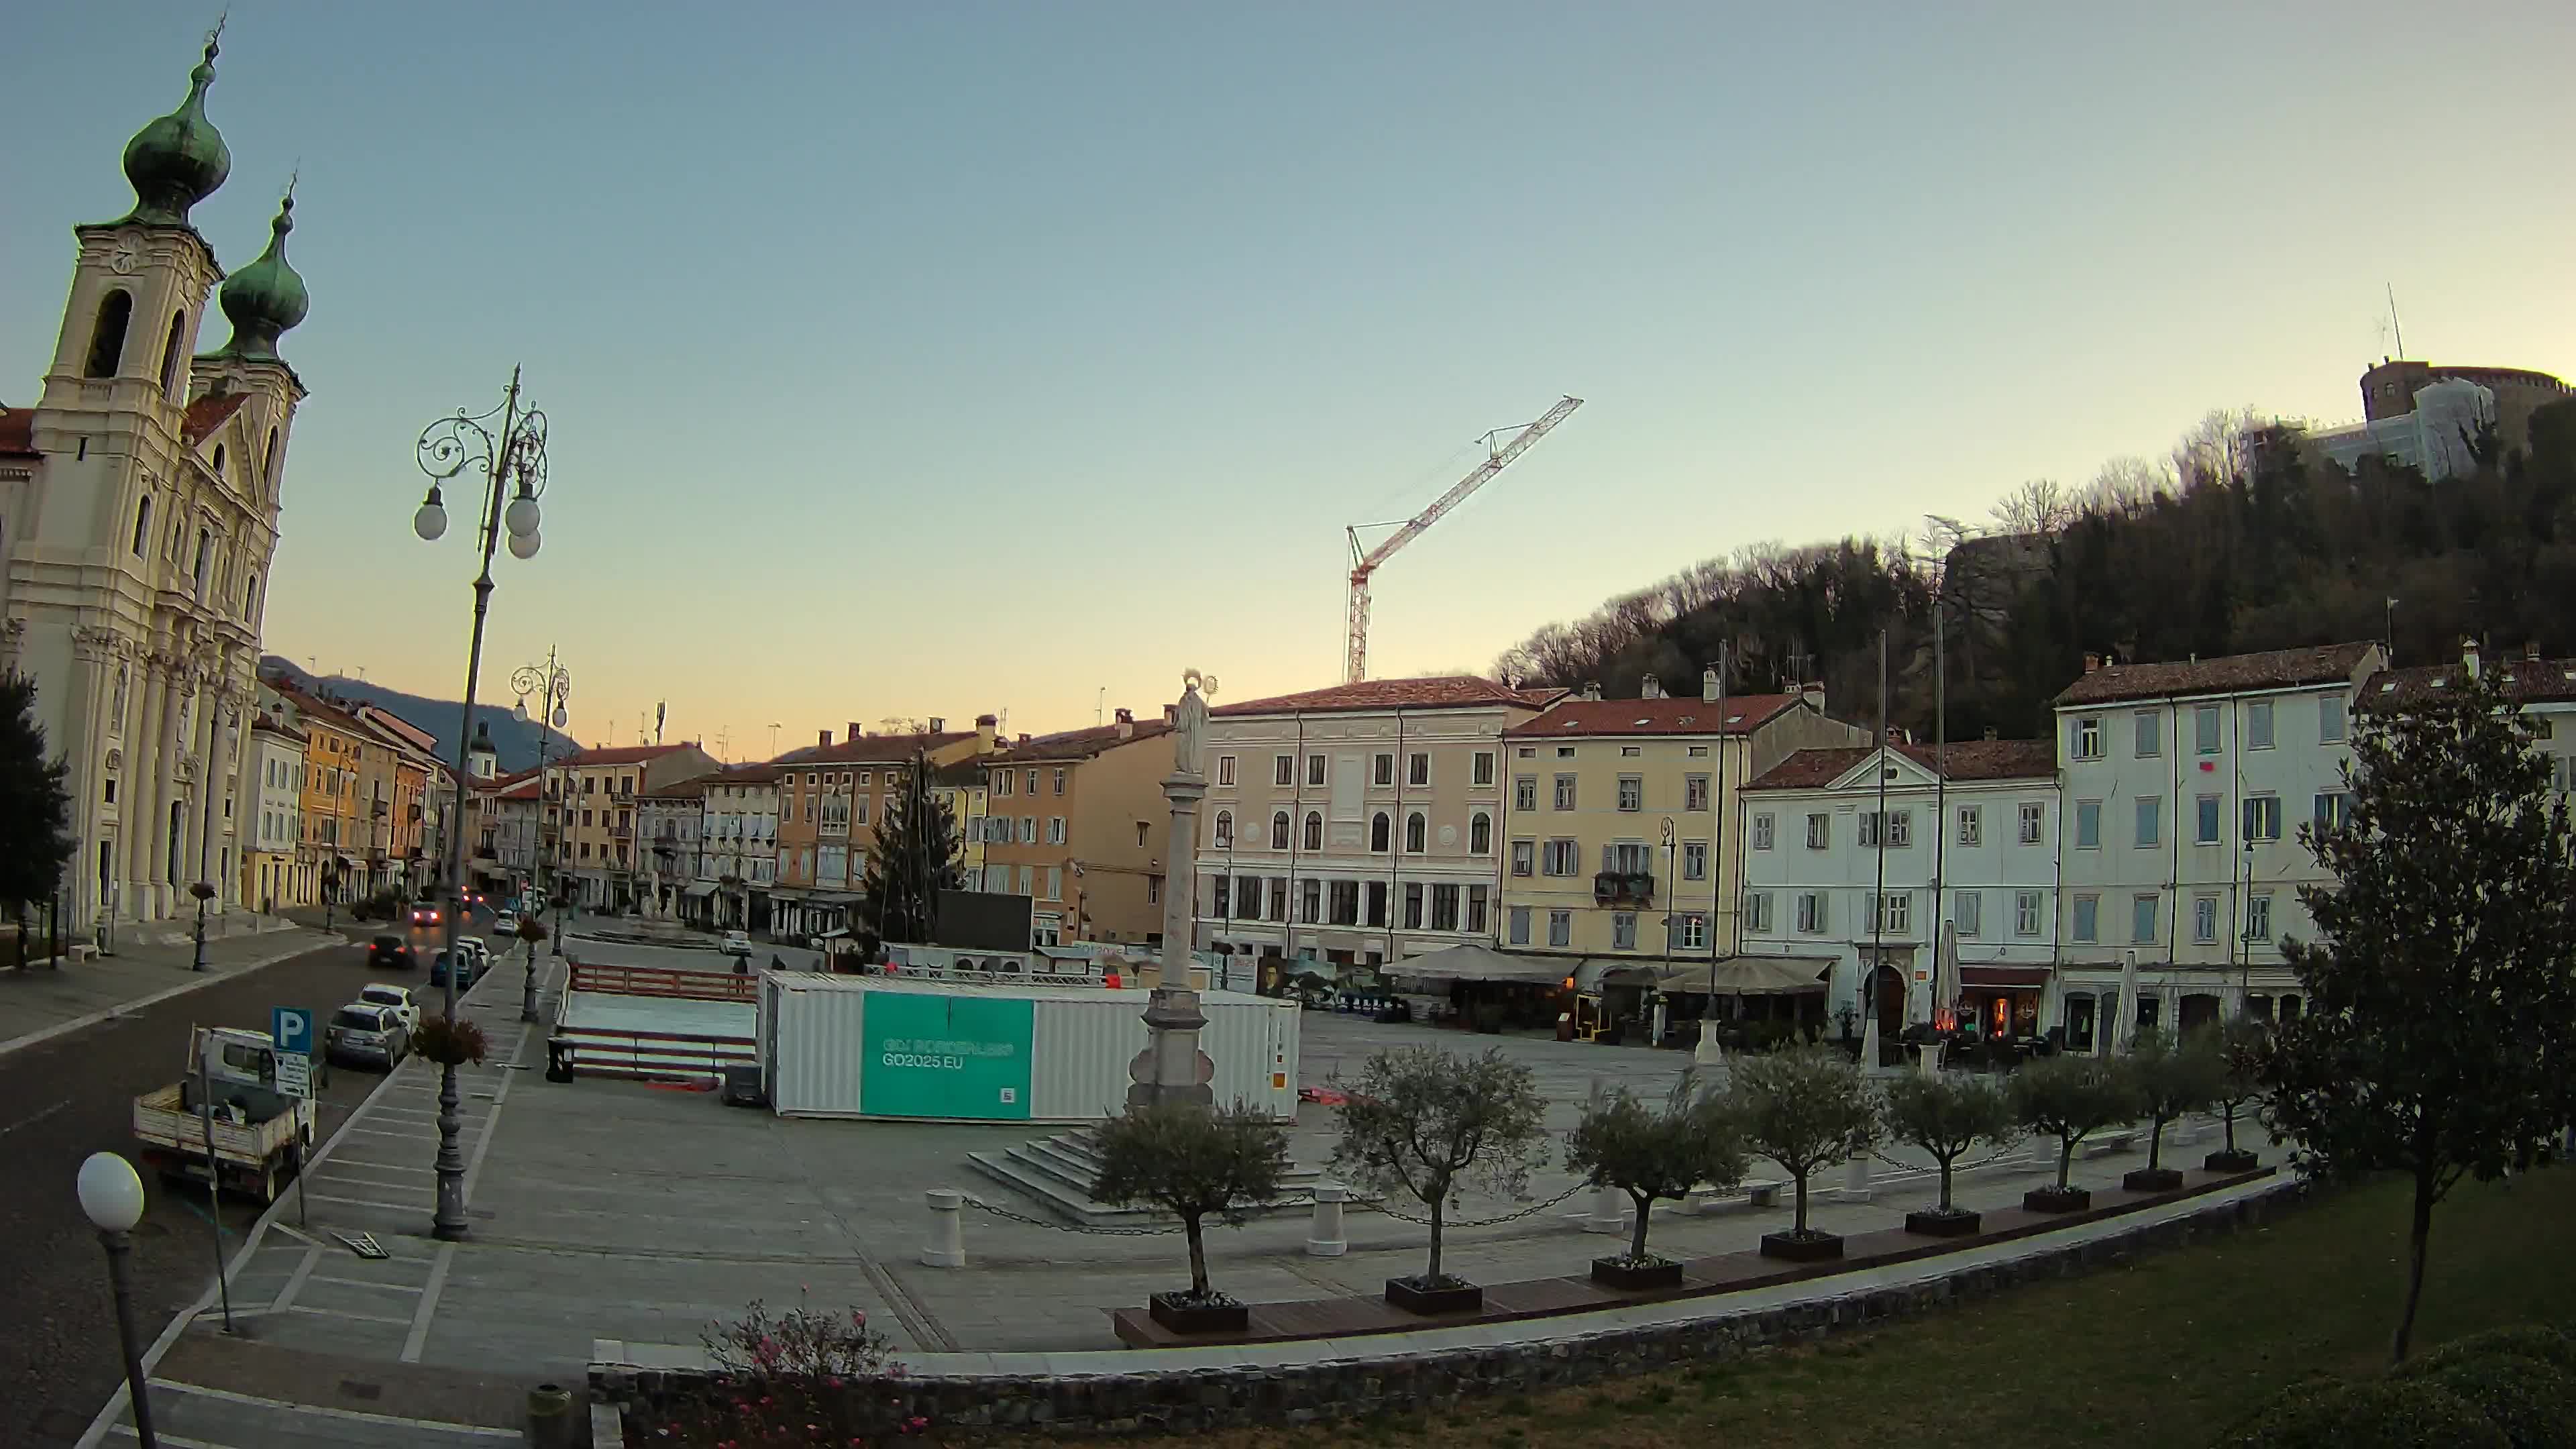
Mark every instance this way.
x=2440 y=1040
x=1946 y=1116
x=1651 y=1155
x=914 y=858
x=2173 y=1077
x=35 y=806
x=2070 y=1098
x=1194 y=1162
x=1422 y=1121
x=1805 y=1108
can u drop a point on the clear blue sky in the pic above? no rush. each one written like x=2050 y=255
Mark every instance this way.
x=936 y=358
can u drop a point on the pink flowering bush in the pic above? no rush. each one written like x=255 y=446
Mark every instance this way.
x=792 y=1377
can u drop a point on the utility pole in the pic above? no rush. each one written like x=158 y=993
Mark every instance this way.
x=1878 y=898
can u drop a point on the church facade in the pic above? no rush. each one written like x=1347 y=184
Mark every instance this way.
x=138 y=515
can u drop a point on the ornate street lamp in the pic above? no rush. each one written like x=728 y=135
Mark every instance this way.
x=111 y=1197
x=552 y=685
x=513 y=465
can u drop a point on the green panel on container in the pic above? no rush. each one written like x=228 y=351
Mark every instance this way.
x=947 y=1056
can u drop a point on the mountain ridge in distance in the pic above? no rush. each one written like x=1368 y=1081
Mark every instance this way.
x=514 y=740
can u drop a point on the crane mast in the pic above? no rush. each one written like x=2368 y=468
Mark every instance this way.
x=1364 y=563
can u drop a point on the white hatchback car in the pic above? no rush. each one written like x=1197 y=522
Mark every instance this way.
x=396 y=999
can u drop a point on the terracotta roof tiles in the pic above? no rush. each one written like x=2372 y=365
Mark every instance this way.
x=1080 y=744
x=1447 y=691
x=18 y=433
x=1576 y=718
x=619 y=755
x=2528 y=681
x=1965 y=760
x=2226 y=674
x=871 y=749
x=209 y=413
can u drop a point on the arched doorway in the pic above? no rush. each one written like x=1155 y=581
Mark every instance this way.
x=1887 y=998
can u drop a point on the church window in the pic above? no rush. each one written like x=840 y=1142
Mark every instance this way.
x=170 y=354
x=107 y=338
x=205 y=553
x=219 y=461
x=142 y=524
x=268 y=462
x=250 y=597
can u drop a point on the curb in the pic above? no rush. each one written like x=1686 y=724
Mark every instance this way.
x=195 y=982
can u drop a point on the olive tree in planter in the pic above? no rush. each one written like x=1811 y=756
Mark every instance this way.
x=1422 y=1122
x=2240 y=1045
x=1946 y=1116
x=2172 y=1076
x=1193 y=1162
x=1805 y=1108
x=2070 y=1098
x=1653 y=1155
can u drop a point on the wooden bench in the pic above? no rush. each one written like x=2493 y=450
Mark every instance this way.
x=1761 y=1192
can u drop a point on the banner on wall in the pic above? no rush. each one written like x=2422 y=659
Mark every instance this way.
x=947 y=1056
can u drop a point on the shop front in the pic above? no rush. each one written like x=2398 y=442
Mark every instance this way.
x=2001 y=1001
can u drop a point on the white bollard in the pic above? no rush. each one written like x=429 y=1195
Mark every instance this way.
x=1609 y=1211
x=947 y=1247
x=1325 y=1239
x=1929 y=1059
x=1855 y=1181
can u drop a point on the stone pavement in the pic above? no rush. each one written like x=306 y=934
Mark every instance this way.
x=606 y=1210
x=45 y=1002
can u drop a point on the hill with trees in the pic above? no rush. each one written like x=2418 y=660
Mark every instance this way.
x=2247 y=538
x=514 y=740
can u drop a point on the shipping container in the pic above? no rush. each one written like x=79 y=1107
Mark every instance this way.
x=887 y=1047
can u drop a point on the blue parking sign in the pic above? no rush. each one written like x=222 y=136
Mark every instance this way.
x=290 y=1029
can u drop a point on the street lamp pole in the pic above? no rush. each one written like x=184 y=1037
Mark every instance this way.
x=517 y=456
x=111 y=1196
x=553 y=686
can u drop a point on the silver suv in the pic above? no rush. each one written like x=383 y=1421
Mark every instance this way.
x=360 y=1032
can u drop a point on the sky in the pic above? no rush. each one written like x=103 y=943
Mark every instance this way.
x=932 y=359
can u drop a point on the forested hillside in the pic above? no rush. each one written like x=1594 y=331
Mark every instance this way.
x=2245 y=539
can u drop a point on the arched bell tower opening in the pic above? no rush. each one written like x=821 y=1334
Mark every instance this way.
x=107 y=333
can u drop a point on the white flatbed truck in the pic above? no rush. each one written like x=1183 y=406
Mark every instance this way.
x=261 y=1136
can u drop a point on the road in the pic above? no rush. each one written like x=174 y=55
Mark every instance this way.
x=70 y=1097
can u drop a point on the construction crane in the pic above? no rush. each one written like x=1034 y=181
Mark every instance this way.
x=1364 y=563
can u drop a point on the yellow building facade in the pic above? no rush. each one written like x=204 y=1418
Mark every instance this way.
x=1618 y=819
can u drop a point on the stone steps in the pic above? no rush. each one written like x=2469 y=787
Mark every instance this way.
x=1057 y=1173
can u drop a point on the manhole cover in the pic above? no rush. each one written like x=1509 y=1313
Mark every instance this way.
x=356 y=1390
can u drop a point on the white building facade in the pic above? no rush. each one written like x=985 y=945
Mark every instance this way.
x=138 y=516
x=1858 y=859
x=276 y=820
x=1343 y=825
x=2184 y=787
x=737 y=860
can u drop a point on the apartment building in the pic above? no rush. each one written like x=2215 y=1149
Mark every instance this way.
x=273 y=878
x=2184 y=785
x=1358 y=824
x=669 y=819
x=831 y=798
x=1616 y=823
x=1908 y=879
x=503 y=839
x=332 y=836
x=592 y=797
x=738 y=847
x=962 y=788
x=1077 y=822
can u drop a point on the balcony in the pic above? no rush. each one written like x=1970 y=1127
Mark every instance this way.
x=621 y=832
x=1623 y=888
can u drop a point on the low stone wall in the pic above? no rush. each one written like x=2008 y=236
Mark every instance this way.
x=1190 y=1400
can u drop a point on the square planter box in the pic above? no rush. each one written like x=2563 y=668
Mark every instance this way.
x=2152 y=1179
x=2050 y=1200
x=1169 y=1310
x=2237 y=1161
x=1452 y=1297
x=1816 y=1248
x=1614 y=1273
x=1942 y=1225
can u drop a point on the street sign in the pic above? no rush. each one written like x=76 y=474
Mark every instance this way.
x=295 y=1076
x=290 y=1030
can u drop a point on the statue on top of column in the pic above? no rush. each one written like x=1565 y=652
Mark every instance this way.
x=1189 y=723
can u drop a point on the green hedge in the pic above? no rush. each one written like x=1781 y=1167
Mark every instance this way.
x=2522 y=1340
x=2389 y=1414
x=2534 y=1403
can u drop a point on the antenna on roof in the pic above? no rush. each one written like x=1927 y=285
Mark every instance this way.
x=2394 y=325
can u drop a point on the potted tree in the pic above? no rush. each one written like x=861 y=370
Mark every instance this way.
x=1945 y=1116
x=1805 y=1108
x=1193 y=1162
x=2172 y=1076
x=2070 y=1098
x=1425 y=1123
x=1652 y=1155
x=2240 y=1045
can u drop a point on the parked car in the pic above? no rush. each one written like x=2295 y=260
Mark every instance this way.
x=396 y=999
x=467 y=968
x=737 y=943
x=391 y=953
x=506 y=925
x=360 y=1032
x=425 y=913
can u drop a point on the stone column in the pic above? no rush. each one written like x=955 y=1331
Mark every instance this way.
x=1180 y=876
x=1171 y=1068
x=947 y=1246
x=1324 y=1239
x=139 y=788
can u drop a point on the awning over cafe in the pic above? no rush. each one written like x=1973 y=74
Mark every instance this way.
x=1481 y=963
x=2017 y=978
x=1753 y=976
x=699 y=888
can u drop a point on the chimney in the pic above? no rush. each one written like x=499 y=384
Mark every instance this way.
x=1708 y=686
x=1127 y=723
x=1990 y=732
x=1592 y=689
x=855 y=731
x=1814 y=695
x=1024 y=737
x=2531 y=649
x=824 y=738
x=1650 y=688
x=985 y=725
x=2092 y=663
x=938 y=725
x=2469 y=655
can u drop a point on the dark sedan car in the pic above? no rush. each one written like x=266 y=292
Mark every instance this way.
x=465 y=973
x=390 y=953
